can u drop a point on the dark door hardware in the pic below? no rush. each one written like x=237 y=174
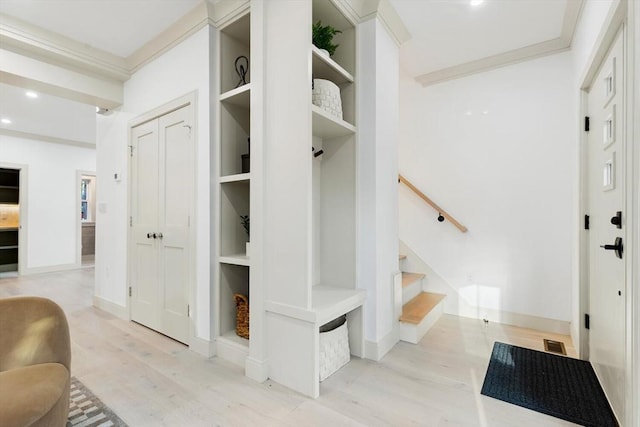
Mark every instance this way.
x=586 y=222
x=587 y=321
x=586 y=124
x=153 y=235
x=616 y=247
x=617 y=220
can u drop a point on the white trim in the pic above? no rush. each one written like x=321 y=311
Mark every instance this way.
x=45 y=138
x=257 y=370
x=377 y=350
x=111 y=307
x=183 y=28
x=79 y=175
x=632 y=247
x=27 y=271
x=233 y=352
x=633 y=91
x=359 y=11
x=202 y=346
x=23 y=212
x=45 y=44
x=489 y=63
x=549 y=47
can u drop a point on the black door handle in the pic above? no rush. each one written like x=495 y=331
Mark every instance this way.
x=148 y=235
x=615 y=247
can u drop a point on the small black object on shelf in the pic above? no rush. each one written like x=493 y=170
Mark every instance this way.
x=440 y=217
x=246 y=158
x=242 y=68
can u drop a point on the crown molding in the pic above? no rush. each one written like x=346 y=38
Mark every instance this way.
x=183 y=28
x=549 y=47
x=363 y=10
x=45 y=138
x=54 y=48
x=489 y=63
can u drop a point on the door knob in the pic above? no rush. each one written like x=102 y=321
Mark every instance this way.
x=615 y=247
x=617 y=220
x=148 y=235
x=160 y=236
x=154 y=235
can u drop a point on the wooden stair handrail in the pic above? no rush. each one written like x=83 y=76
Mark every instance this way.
x=433 y=204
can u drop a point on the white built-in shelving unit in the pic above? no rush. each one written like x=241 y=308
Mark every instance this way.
x=322 y=285
x=235 y=186
x=301 y=272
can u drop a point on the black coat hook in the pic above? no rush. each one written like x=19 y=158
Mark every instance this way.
x=440 y=217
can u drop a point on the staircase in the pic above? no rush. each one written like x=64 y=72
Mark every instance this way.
x=420 y=309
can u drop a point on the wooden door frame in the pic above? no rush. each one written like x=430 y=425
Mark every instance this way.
x=189 y=99
x=23 y=212
x=624 y=17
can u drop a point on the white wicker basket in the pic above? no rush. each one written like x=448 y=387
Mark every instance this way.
x=334 y=351
x=326 y=95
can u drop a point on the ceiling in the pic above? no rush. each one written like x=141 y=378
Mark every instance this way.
x=449 y=38
x=449 y=33
x=119 y=27
x=444 y=33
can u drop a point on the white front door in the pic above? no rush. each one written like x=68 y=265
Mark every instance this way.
x=160 y=258
x=606 y=186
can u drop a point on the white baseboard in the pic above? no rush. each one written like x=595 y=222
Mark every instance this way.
x=517 y=319
x=257 y=370
x=376 y=350
x=203 y=347
x=111 y=307
x=49 y=269
x=228 y=350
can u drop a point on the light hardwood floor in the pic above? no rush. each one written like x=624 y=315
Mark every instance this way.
x=150 y=380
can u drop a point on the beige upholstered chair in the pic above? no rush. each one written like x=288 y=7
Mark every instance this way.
x=35 y=358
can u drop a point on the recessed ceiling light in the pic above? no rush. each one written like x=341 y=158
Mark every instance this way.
x=476 y=2
x=31 y=94
x=5 y=121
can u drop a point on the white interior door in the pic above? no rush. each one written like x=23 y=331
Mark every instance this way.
x=606 y=198
x=160 y=256
x=143 y=253
x=174 y=221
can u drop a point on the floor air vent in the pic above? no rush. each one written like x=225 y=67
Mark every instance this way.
x=554 y=347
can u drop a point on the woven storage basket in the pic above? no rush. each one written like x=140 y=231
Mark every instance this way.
x=334 y=351
x=242 y=315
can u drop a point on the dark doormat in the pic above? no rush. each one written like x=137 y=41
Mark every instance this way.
x=554 y=385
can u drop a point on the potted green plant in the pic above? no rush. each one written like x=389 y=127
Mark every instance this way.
x=244 y=220
x=322 y=37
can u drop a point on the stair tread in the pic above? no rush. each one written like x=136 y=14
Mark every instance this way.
x=401 y=257
x=409 y=278
x=416 y=309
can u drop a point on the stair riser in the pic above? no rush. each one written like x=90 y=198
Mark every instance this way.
x=411 y=291
x=414 y=333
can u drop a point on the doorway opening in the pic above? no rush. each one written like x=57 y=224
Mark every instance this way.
x=87 y=184
x=9 y=219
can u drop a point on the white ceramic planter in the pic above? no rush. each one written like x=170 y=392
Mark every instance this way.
x=326 y=95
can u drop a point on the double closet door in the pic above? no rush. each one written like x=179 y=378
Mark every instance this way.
x=162 y=183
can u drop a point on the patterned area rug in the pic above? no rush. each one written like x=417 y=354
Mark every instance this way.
x=86 y=410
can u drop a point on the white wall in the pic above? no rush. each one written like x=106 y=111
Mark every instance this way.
x=497 y=150
x=52 y=198
x=183 y=69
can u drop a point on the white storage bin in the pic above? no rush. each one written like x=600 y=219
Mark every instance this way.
x=334 y=350
x=326 y=95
